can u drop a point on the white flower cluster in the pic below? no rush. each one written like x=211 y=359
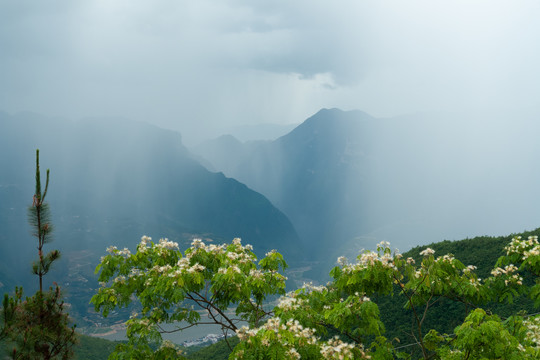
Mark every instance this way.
x=125 y=253
x=529 y=247
x=112 y=250
x=290 y=302
x=216 y=249
x=143 y=245
x=162 y=269
x=184 y=267
x=427 y=252
x=309 y=287
x=369 y=259
x=270 y=253
x=305 y=335
x=293 y=353
x=535 y=251
x=239 y=255
x=469 y=268
x=449 y=258
x=135 y=273
x=298 y=331
x=533 y=331
x=508 y=270
x=245 y=332
x=229 y=269
x=475 y=282
x=337 y=349
x=120 y=279
x=332 y=349
x=361 y=297
x=166 y=244
x=256 y=274
x=197 y=244
x=342 y=261
x=196 y=268
x=183 y=263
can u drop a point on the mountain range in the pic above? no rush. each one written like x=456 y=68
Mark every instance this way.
x=339 y=182
x=113 y=181
x=348 y=180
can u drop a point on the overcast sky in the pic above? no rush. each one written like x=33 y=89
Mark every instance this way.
x=190 y=65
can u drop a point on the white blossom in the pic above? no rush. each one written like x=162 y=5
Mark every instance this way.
x=271 y=252
x=166 y=244
x=197 y=244
x=293 y=353
x=112 y=249
x=256 y=274
x=342 y=261
x=124 y=252
x=427 y=252
x=120 y=279
x=196 y=268
x=383 y=245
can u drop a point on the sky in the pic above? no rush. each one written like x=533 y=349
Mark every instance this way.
x=197 y=65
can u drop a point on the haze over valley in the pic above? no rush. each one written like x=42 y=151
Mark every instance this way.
x=349 y=179
x=312 y=128
x=340 y=182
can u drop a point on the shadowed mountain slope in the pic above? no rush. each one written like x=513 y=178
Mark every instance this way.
x=348 y=180
x=113 y=181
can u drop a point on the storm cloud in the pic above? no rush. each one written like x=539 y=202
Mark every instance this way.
x=196 y=65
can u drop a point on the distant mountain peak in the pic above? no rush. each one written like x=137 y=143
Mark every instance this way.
x=337 y=114
x=228 y=139
x=326 y=122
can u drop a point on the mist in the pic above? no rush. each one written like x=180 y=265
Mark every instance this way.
x=451 y=89
x=348 y=180
x=198 y=66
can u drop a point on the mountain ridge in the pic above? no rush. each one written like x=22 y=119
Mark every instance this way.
x=111 y=183
x=349 y=180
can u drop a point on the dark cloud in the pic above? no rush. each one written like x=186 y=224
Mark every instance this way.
x=195 y=64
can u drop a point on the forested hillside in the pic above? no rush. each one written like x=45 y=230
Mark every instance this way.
x=445 y=315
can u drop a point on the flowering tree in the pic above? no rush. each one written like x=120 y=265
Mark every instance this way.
x=335 y=321
x=173 y=287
